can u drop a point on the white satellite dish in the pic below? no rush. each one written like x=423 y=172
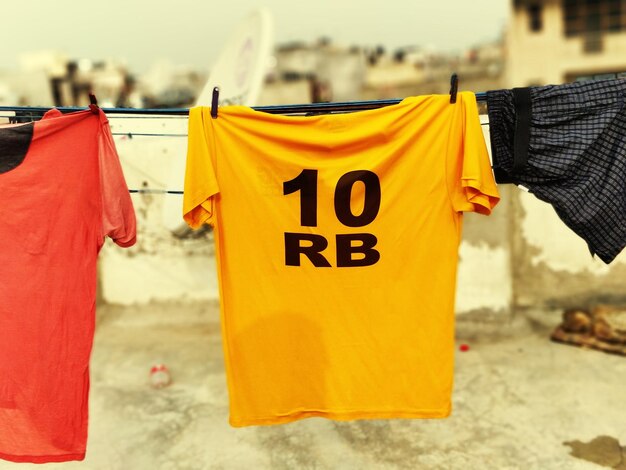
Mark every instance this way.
x=240 y=69
x=239 y=73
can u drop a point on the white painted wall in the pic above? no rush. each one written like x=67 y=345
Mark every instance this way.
x=160 y=267
x=484 y=279
x=556 y=244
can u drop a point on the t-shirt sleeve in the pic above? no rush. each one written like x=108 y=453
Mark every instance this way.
x=200 y=179
x=470 y=178
x=118 y=214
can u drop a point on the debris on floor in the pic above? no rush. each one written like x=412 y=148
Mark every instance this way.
x=602 y=328
x=160 y=376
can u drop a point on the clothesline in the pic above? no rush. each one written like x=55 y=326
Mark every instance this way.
x=346 y=106
x=157 y=113
x=154 y=191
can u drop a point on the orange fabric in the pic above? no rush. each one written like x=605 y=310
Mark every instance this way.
x=56 y=207
x=380 y=195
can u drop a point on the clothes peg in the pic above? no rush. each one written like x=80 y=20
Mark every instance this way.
x=93 y=103
x=216 y=95
x=454 y=86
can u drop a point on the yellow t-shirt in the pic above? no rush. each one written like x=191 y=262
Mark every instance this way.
x=337 y=239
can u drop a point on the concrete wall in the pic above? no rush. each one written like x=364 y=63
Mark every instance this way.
x=484 y=282
x=160 y=266
x=551 y=266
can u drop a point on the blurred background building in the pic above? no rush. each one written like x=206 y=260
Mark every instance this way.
x=546 y=42
x=299 y=72
x=559 y=41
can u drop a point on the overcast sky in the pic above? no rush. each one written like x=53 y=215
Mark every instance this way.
x=192 y=32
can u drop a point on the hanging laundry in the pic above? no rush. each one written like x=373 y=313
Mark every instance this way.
x=567 y=145
x=61 y=192
x=337 y=239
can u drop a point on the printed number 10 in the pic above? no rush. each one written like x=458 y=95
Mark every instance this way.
x=306 y=183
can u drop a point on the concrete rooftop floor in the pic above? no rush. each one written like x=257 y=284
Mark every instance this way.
x=518 y=399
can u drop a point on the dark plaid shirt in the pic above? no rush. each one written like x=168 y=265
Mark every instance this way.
x=576 y=155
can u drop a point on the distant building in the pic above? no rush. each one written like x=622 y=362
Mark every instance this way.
x=415 y=71
x=317 y=72
x=51 y=78
x=559 y=41
x=323 y=71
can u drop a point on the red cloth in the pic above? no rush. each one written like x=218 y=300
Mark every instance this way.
x=56 y=207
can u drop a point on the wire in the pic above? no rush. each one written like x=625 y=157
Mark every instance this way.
x=154 y=191
x=159 y=113
x=133 y=134
x=276 y=109
x=135 y=116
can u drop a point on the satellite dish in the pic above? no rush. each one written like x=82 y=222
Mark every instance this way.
x=240 y=69
x=239 y=73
